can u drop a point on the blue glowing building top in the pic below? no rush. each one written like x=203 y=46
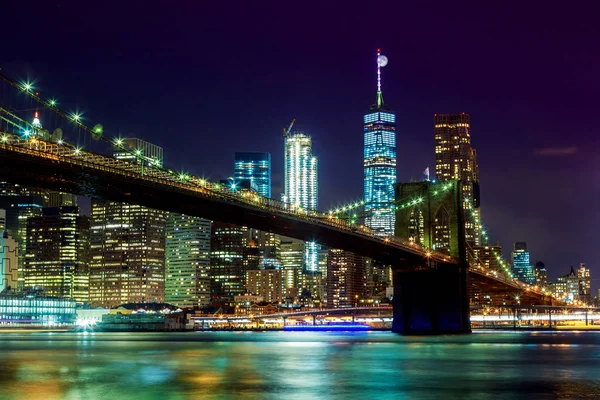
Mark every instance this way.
x=256 y=168
x=522 y=269
x=380 y=162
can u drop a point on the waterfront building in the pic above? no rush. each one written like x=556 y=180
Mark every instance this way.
x=187 y=261
x=541 y=275
x=32 y=308
x=521 y=266
x=379 y=159
x=227 y=269
x=301 y=184
x=310 y=289
x=127 y=242
x=456 y=159
x=585 y=288
x=256 y=168
x=56 y=257
x=9 y=256
x=346 y=279
x=266 y=283
x=127 y=248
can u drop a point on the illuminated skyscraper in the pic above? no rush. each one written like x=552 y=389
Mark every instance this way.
x=301 y=172
x=522 y=269
x=455 y=159
x=227 y=266
x=127 y=245
x=541 y=275
x=187 y=261
x=301 y=183
x=585 y=288
x=56 y=257
x=256 y=168
x=380 y=162
x=346 y=279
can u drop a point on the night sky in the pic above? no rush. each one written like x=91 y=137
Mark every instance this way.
x=206 y=79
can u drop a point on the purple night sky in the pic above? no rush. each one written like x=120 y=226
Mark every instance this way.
x=206 y=79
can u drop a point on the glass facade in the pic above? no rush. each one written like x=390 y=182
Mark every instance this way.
x=455 y=159
x=256 y=168
x=379 y=162
x=33 y=310
x=522 y=269
x=127 y=244
x=56 y=258
x=301 y=183
x=127 y=254
x=187 y=261
x=227 y=266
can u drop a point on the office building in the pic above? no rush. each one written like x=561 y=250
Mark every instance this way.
x=127 y=242
x=567 y=287
x=585 y=287
x=267 y=283
x=540 y=273
x=256 y=168
x=456 y=159
x=521 y=266
x=293 y=259
x=488 y=256
x=57 y=255
x=127 y=248
x=346 y=280
x=379 y=162
x=301 y=184
x=187 y=261
x=227 y=270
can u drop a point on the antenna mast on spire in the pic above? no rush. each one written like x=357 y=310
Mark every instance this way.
x=381 y=62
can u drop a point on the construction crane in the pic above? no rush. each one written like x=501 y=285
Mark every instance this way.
x=289 y=129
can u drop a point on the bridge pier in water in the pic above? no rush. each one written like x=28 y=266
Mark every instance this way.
x=431 y=300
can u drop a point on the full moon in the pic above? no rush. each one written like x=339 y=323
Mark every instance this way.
x=382 y=61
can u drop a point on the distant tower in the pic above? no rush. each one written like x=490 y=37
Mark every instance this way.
x=36 y=121
x=380 y=161
x=256 y=168
x=455 y=159
x=522 y=269
x=301 y=184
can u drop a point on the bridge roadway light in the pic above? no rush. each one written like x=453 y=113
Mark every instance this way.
x=119 y=142
x=52 y=102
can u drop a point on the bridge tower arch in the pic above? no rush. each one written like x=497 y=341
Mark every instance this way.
x=434 y=299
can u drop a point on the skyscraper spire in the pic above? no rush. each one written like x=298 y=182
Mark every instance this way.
x=36 y=121
x=381 y=62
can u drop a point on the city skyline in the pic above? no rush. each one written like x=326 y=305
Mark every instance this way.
x=554 y=150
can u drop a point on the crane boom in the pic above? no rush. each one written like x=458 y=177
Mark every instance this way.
x=289 y=129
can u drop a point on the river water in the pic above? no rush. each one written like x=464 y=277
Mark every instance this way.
x=299 y=365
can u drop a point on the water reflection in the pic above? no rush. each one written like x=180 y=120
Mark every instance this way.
x=298 y=365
